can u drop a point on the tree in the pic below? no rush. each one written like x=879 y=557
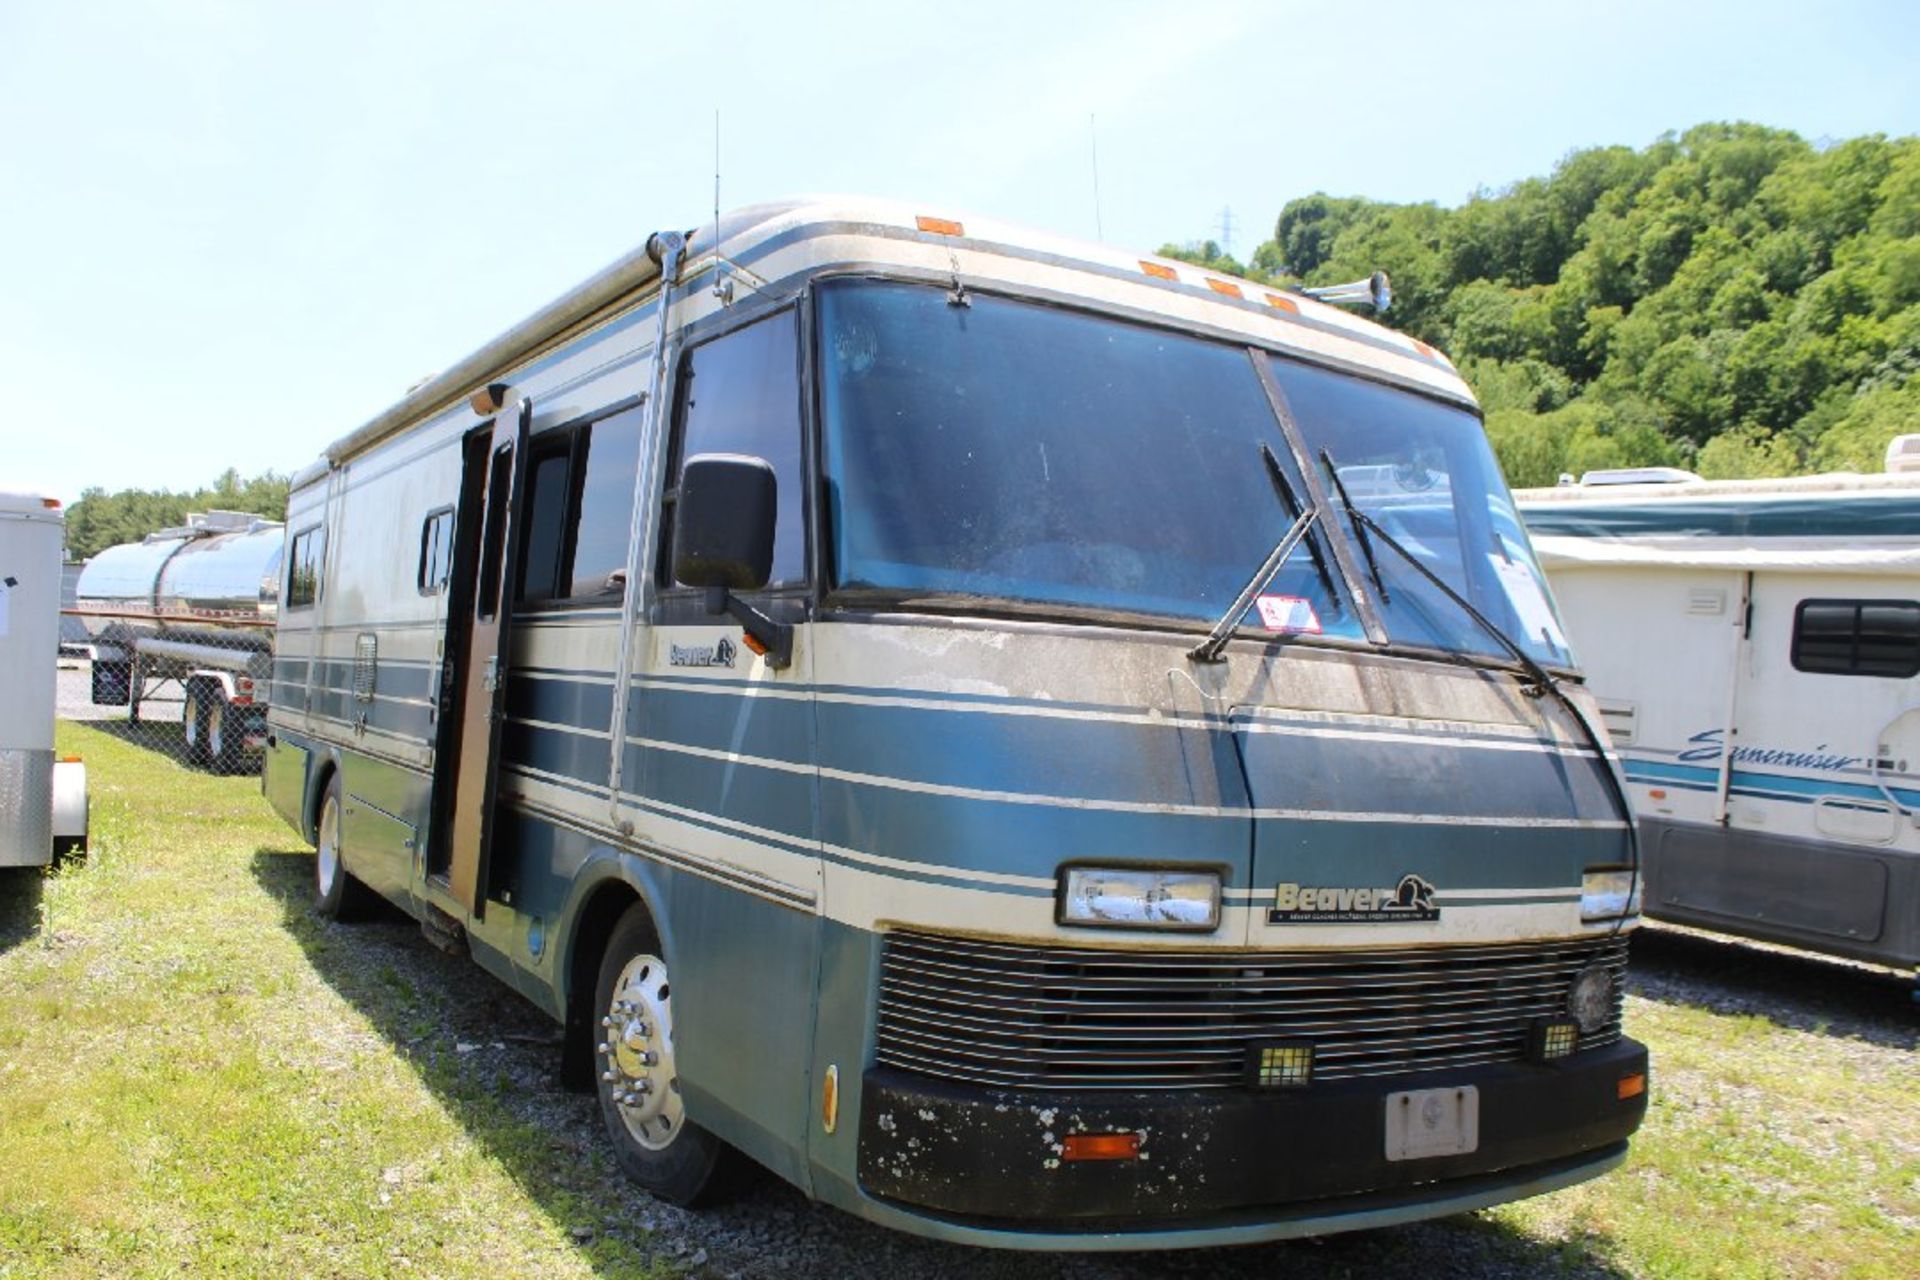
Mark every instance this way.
x=100 y=519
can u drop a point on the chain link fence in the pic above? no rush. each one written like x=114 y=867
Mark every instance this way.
x=192 y=687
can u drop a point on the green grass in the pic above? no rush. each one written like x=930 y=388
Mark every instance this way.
x=184 y=1091
x=197 y=1077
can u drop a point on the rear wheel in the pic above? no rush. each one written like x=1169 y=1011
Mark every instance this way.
x=638 y=1080
x=336 y=894
x=222 y=751
x=195 y=717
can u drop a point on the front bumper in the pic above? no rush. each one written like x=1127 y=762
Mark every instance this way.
x=1315 y=1157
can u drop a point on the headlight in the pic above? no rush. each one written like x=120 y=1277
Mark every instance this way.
x=1609 y=893
x=1590 y=1000
x=1139 y=898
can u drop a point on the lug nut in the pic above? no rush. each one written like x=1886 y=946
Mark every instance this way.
x=610 y=1077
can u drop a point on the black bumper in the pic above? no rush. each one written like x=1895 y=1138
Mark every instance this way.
x=989 y=1156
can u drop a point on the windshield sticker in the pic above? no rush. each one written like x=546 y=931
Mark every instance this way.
x=1529 y=601
x=1289 y=613
x=1410 y=900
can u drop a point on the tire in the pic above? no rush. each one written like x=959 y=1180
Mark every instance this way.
x=222 y=733
x=194 y=719
x=336 y=894
x=656 y=1145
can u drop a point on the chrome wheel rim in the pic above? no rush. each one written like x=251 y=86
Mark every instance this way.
x=637 y=1054
x=216 y=729
x=327 y=846
x=193 y=723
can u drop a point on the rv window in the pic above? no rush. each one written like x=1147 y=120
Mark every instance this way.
x=303 y=567
x=1857 y=638
x=609 y=453
x=436 y=551
x=740 y=393
x=540 y=556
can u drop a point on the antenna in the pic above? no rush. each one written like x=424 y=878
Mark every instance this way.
x=722 y=284
x=1093 y=143
x=1226 y=230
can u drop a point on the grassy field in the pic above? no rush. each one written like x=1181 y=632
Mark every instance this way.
x=197 y=1077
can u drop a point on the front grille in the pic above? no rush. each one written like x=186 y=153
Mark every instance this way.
x=1030 y=1017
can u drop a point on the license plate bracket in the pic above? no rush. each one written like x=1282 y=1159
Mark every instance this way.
x=1424 y=1123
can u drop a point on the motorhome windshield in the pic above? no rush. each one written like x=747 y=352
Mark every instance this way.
x=1425 y=473
x=1020 y=452
x=1027 y=453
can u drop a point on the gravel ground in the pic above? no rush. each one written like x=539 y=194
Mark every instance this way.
x=484 y=1036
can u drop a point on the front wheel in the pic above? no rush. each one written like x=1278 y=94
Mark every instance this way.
x=639 y=1084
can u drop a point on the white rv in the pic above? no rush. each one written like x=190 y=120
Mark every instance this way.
x=1755 y=647
x=43 y=801
x=1074 y=728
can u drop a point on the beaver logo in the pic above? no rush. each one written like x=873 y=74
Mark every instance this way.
x=1408 y=901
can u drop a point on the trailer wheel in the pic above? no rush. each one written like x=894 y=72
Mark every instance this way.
x=639 y=1087
x=336 y=894
x=195 y=721
x=222 y=734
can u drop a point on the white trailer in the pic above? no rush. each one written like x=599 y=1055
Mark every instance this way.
x=43 y=801
x=1755 y=647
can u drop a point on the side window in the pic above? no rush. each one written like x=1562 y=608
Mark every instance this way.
x=546 y=516
x=436 y=551
x=740 y=393
x=304 y=560
x=579 y=508
x=1857 y=637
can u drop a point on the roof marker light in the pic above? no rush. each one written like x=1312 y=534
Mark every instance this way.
x=1159 y=270
x=939 y=226
x=1227 y=287
x=1280 y=302
x=51 y=504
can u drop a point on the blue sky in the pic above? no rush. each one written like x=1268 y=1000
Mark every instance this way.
x=232 y=231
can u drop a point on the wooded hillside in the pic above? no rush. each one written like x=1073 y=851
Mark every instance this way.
x=101 y=519
x=1735 y=300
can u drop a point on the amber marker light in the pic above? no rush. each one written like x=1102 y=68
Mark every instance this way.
x=69 y=759
x=752 y=642
x=1280 y=302
x=939 y=226
x=51 y=504
x=1101 y=1146
x=1633 y=1086
x=1159 y=270
x=830 y=1099
x=1226 y=287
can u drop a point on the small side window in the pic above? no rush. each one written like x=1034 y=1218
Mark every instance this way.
x=1857 y=638
x=436 y=551
x=304 y=560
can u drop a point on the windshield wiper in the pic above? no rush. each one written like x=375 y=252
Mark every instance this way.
x=1540 y=680
x=1359 y=529
x=1208 y=650
x=1284 y=487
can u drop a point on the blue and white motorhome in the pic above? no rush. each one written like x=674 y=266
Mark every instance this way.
x=1755 y=646
x=1035 y=746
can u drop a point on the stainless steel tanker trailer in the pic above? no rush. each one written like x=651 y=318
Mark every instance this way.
x=189 y=613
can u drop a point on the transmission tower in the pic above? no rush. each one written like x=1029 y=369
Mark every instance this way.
x=1226 y=231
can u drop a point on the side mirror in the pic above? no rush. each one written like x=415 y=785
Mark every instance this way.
x=723 y=526
x=723 y=522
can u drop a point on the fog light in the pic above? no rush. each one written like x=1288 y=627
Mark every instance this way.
x=1139 y=898
x=1555 y=1039
x=1590 y=1000
x=1286 y=1064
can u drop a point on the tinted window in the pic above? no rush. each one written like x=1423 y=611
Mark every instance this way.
x=304 y=562
x=546 y=507
x=609 y=455
x=1857 y=638
x=1024 y=452
x=436 y=551
x=741 y=394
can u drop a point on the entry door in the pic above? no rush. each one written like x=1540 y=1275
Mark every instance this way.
x=479 y=666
